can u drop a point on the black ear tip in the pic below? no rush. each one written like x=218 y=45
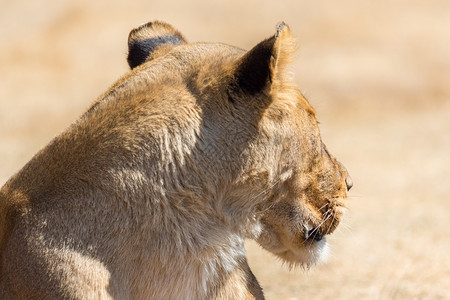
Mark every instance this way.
x=144 y=40
x=280 y=28
x=136 y=54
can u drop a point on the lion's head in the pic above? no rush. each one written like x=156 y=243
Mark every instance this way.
x=258 y=143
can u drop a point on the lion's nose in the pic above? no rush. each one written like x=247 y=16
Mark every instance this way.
x=348 y=178
x=348 y=182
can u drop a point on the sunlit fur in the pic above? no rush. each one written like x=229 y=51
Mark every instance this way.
x=152 y=191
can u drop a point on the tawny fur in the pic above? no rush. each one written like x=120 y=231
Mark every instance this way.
x=151 y=192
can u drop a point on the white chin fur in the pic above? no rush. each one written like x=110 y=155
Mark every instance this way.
x=321 y=252
x=311 y=255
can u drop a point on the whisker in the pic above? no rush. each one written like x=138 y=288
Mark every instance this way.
x=265 y=192
x=326 y=213
x=268 y=189
x=323 y=206
x=325 y=219
x=346 y=227
x=316 y=229
x=331 y=225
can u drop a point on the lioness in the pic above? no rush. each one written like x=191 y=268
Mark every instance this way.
x=152 y=191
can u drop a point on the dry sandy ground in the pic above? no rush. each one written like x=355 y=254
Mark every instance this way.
x=378 y=73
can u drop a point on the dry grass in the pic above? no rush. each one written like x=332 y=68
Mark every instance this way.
x=378 y=74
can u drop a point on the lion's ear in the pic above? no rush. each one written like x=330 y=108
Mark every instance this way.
x=263 y=67
x=150 y=40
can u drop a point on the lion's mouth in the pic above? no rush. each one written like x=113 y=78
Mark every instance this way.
x=305 y=247
x=297 y=234
x=313 y=235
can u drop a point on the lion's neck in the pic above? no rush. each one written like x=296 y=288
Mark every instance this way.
x=215 y=272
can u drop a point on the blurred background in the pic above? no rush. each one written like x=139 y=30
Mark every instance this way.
x=377 y=72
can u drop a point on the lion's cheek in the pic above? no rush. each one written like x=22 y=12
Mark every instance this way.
x=269 y=240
